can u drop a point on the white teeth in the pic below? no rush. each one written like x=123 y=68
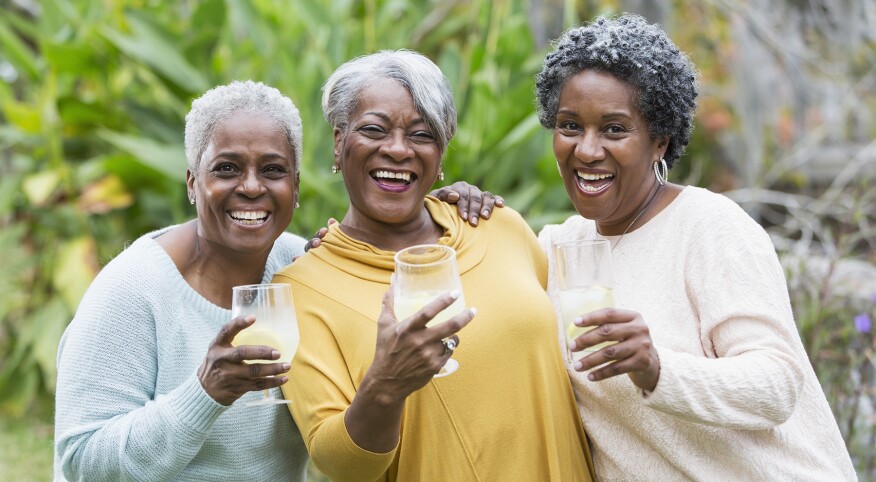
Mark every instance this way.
x=592 y=177
x=404 y=176
x=248 y=215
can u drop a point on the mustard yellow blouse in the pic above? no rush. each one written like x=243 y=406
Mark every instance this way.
x=507 y=414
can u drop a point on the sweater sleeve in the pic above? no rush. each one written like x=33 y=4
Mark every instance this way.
x=321 y=389
x=751 y=376
x=109 y=424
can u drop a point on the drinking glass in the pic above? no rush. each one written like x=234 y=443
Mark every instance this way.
x=584 y=278
x=422 y=274
x=275 y=324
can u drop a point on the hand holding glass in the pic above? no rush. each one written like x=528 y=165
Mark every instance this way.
x=422 y=274
x=585 y=281
x=275 y=324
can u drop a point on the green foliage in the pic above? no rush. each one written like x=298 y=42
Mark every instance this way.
x=95 y=94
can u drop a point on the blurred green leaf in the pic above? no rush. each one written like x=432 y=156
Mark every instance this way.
x=17 y=52
x=23 y=116
x=166 y=159
x=40 y=186
x=48 y=325
x=76 y=267
x=69 y=58
x=158 y=51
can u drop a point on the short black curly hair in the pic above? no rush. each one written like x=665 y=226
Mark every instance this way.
x=636 y=52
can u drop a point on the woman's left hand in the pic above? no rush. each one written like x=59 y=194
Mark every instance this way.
x=634 y=353
x=471 y=202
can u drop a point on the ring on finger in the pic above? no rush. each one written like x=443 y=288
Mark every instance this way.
x=449 y=345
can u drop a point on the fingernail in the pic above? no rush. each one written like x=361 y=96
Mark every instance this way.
x=485 y=213
x=591 y=377
x=578 y=365
x=287 y=366
x=455 y=294
x=474 y=220
x=579 y=320
x=284 y=379
x=474 y=311
x=275 y=354
x=464 y=215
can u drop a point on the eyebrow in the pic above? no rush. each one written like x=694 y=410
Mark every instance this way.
x=386 y=117
x=236 y=156
x=604 y=116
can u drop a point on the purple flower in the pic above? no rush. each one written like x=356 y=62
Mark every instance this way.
x=863 y=323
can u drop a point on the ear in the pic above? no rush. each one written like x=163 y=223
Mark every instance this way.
x=662 y=145
x=297 y=184
x=339 y=141
x=190 y=183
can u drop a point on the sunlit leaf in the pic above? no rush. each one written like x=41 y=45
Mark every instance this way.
x=76 y=267
x=69 y=58
x=159 y=52
x=164 y=158
x=104 y=195
x=38 y=188
x=22 y=116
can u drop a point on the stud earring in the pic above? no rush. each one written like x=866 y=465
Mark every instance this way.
x=297 y=205
x=441 y=176
x=191 y=200
x=335 y=169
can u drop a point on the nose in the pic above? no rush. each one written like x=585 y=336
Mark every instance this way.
x=589 y=147
x=396 y=146
x=250 y=185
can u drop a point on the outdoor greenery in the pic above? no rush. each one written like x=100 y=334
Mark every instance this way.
x=94 y=95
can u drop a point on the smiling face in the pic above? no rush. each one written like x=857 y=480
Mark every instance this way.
x=388 y=156
x=246 y=185
x=603 y=149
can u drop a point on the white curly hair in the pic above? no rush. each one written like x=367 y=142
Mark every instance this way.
x=219 y=103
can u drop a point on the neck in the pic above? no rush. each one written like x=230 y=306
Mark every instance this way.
x=212 y=269
x=639 y=216
x=391 y=236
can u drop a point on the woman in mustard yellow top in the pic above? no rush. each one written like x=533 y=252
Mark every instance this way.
x=361 y=383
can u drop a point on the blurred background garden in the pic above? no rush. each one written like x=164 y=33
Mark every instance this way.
x=94 y=95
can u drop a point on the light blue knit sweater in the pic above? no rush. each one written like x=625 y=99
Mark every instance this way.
x=129 y=405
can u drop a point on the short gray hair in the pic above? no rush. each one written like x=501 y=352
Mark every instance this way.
x=219 y=103
x=636 y=52
x=420 y=76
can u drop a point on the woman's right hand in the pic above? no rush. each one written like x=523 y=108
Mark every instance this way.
x=407 y=356
x=224 y=374
x=408 y=353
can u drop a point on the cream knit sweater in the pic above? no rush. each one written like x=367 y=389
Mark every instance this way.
x=737 y=398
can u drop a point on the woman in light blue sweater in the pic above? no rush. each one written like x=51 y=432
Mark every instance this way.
x=147 y=377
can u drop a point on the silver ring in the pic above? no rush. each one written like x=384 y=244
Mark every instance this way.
x=449 y=345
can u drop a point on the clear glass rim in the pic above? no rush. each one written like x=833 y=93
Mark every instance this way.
x=442 y=247
x=261 y=286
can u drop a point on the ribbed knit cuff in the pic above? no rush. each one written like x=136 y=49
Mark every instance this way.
x=194 y=407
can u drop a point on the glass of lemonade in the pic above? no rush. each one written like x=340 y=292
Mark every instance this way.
x=275 y=324
x=422 y=274
x=585 y=282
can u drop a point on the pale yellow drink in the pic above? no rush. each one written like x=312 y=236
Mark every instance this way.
x=577 y=301
x=409 y=303
x=286 y=342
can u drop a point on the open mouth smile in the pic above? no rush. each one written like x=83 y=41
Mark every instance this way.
x=249 y=218
x=590 y=183
x=393 y=181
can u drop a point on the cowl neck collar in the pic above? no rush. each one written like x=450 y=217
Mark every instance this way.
x=372 y=263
